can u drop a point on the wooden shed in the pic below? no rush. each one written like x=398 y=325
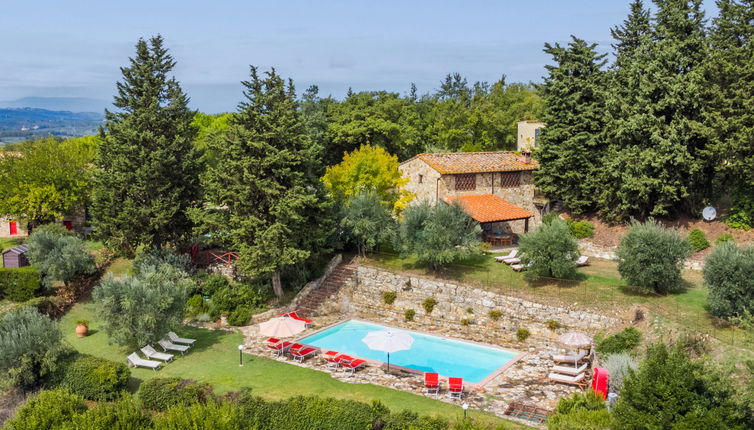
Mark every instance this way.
x=15 y=257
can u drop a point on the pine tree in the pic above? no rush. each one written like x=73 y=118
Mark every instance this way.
x=569 y=147
x=269 y=203
x=628 y=37
x=148 y=172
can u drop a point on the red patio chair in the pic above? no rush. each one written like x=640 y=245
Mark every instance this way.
x=432 y=383
x=279 y=348
x=332 y=358
x=353 y=365
x=303 y=353
x=294 y=315
x=455 y=387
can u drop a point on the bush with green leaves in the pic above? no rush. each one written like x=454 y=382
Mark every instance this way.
x=438 y=235
x=698 y=240
x=196 y=305
x=672 y=391
x=139 y=310
x=725 y=237
x=241 y=297
x=522 y=334
x=90 y=377
x=429 y=304
x=619 y=366
x=651 y=257
x=553 y=324
x=550 y=251
x=47 y=410
x=495 y=314
x=240 y=316
x=623 y=341
x=213 y=284
x=409 y=314
x=19 y=285
x=30 y=346
x=580 y=229
x=123 y=413
x=366 y=221
x=59 y=255
x=388 y=297
x=729 y=277
x=156 y=257
x=548 y=218
x=580 y=411
x=159 y=394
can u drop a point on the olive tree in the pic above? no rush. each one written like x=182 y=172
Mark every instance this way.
x=729 y=275
x=366 y=221
x=59 y=255
x=550 y=251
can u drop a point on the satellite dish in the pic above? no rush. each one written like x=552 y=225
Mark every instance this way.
x=709 y=213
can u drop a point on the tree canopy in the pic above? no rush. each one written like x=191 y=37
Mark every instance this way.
x=550 y=251
x=59 y=255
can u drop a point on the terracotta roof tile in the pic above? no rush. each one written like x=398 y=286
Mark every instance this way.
x=478 y=162
x=490 y=208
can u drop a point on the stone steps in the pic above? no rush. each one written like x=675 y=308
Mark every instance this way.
x=342 y=274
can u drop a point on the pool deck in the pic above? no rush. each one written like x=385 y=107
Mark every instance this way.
x=497 y=372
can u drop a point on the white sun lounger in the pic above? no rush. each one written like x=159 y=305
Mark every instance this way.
x=521 y=267
x=511 y=261
x=569 y=358
x=176 y=339
x=565 y=379
x=511 y=254
x=566 y=370
x=582 y=261
x=135 y=361
x=170 y=346
x=153 y=354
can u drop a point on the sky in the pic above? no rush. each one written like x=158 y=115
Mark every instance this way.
x=74 y=48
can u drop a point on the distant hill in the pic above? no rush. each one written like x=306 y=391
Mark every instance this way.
x=19 y=124
x=72 y=104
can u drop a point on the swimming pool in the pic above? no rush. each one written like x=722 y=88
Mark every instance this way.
x=448 y=357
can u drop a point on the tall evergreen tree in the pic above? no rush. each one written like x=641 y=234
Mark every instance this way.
x=569 y=147
x=148 y=169
x=269 y=203
x=628 y=36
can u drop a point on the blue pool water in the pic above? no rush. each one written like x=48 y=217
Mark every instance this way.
x=449 y=358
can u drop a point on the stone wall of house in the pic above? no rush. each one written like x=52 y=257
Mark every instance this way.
x=459 y=309
x=5 y=228
x=422 y=180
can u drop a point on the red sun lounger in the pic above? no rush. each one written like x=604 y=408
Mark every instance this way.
x=303 y=353
x=279 y=348
x=455 y=387
x=432 y=383
x=354 y=365
x=332 y=358
x=294 y=315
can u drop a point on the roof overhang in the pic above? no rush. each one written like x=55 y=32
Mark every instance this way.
x=490 y=208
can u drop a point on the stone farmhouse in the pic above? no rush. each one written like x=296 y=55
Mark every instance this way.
x=495 y=188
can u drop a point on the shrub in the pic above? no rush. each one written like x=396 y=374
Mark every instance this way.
x=429 y=304
x=698 y=240
x=618 y=365
x=553 y=325
x=238 y=295
x=580 y=411
x=469 y=310
x=495 y=315
x=739 y=219
x=85 y=323
x=551 y=250
x=19 y=285
x=522 y=334
x=581 y=229
x=623 y=341
x=196 y=305
x=90 y=377
x=727 y=237
x=59 y=256
x=465 y=321
x=388 y=297
x=212 y=415
x=214 y=284
x=154 y=258
x=240 y=316
x=124 y=413
x=409 y=314
x=159 y=394
x=729 y=276
x=47 y=410
x=651 y=256
x=547 y=219
x=366 y=221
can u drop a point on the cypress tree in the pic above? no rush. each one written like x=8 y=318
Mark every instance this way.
x=628 y=36
x=569 y=146
x=268 y=201
x=148 y=169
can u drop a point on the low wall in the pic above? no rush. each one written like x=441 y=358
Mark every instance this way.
x=460 y=308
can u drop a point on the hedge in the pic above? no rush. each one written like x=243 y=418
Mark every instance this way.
x=19 y=285
x=91 y=377
x=159 y=394
x=46 y=410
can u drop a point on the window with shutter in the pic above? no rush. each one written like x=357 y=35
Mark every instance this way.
x=510 y=179
x=465 y=182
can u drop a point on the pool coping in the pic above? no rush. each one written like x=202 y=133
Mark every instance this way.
x=494 y=374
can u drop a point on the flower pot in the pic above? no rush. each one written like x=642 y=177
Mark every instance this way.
x=81 y=330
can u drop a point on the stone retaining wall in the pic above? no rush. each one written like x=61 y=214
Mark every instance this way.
x=589 y=249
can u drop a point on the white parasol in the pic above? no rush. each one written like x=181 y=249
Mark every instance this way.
x=575 y=339
x=388 y=341
x=281 y=327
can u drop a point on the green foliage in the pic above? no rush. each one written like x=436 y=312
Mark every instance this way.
x=619 y=367
x=672 y=391
x=580 y=229
x=580 y=411
x=551 y=250
x=651 y=256
x=439 y=234
x=51 y=178
x=725 y=237
x=124 y=413
x=213 y=284
x=212 y=415
x=159 y=394
x=196 y=305
x=211 y=129
x=59 y=256
x=429 y=304
x=409 y=314
x=495 y=315
x=366 y=222
x=550 y=217
x=148 y=168
x=388 y=297
x=522 y=334
x=19 y=285
x=368 y=169
x=240 y=316
x=47 y=410
x=90 y=377
x=266 y=199
x=157 y=257
x=238 y=295
x=30 y=346
x=553 y=325
x=465 y=321
x=729 y=276
x=623 y=341
x=140 y=310
x=698 y=240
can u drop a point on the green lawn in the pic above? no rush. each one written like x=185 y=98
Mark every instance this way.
x=9 y=242
x=214 y=359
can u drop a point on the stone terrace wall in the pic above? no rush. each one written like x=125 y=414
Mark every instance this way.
x=364 y=299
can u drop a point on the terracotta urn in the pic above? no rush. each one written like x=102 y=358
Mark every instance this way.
x=81 y=330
